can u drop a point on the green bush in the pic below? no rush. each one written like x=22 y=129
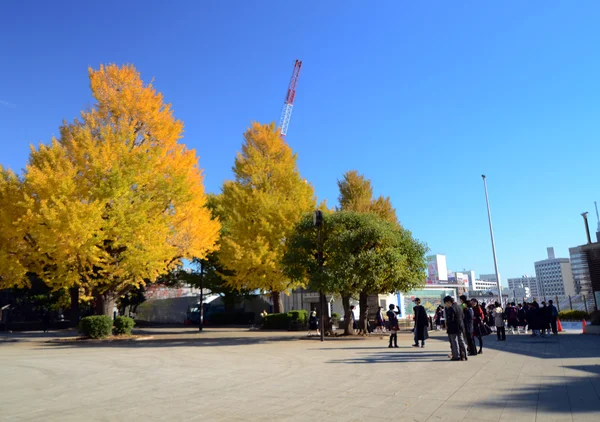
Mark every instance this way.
x=299 y=316
x=285 y=320
x=97 y=326
x=123 y=325
x=572 y=315
x=335 y=315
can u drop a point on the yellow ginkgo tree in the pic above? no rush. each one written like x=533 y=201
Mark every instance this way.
x=116 y=201
x=260 y=209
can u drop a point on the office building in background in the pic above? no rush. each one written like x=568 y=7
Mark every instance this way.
x=554 y=276
x=525 y=281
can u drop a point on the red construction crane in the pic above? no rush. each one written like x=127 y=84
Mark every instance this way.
x=288 y=104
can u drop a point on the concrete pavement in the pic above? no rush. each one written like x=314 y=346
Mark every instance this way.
x=237 y=375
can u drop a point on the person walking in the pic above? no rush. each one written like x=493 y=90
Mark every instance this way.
x=354 y=325
x=421 y=324
x=379 y=318
x=553 y=313
x=455 y=327
x=313 y=323
x=522 y=315
x=479 y=327
x=468 y=321
x=512 y=318
x=393 y=321
x=544 y=318
x=498 y=315
x=533 y=319
x=439 y=314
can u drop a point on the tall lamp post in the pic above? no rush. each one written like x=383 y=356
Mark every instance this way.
x=318 y=222
x=201 y=304
x=487 y=201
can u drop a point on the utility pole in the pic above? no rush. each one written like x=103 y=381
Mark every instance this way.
x=318 y=222
x=201 y=304
x=487 y=201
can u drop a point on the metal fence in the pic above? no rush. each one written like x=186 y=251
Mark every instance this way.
x=565 y=303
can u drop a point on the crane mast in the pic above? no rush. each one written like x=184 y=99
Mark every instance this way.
x=288 y=104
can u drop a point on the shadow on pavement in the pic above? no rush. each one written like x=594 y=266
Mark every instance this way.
x=168 y=342
x=394 y=358
x=551 y=347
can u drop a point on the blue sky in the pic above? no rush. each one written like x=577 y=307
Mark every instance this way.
x=421 y=97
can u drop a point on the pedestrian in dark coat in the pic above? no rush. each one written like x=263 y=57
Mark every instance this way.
x=478 y=323
x=421 y=324
x=468 y=320
x=393 y=321
x=553 y=317
x=455 y=329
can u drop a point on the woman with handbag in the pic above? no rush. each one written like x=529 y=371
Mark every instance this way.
x=480 y=329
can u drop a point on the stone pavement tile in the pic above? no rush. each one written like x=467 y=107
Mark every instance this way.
x=424 y=406
x=483 y=414
x=586 y=417
x=450 y=412
x=564 y=416
x=410 y=417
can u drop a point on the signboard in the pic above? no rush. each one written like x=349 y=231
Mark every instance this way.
x=432 y=270
x=462 y=279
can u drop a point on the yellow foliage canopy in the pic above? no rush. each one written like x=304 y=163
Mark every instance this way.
x=116 y=201
x=261 y=208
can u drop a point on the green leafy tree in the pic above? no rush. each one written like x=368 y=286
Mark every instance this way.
x=361 y=252
x=356 y=194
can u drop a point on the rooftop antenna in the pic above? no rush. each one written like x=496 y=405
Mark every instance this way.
x=597 y=216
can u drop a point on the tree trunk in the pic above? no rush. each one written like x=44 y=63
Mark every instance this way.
x=229 y=302
x=74 y=314
x=348 y=329
x=363 y=322
x=105 y=304
x=277 y=302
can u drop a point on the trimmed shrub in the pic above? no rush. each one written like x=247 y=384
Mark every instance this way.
x=123 y=325
x=286 y=320
x=276 y=321
x=300 y=316
x=572 y=315
x=97 y=326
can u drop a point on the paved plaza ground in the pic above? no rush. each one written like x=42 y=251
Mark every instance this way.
x=241 y=375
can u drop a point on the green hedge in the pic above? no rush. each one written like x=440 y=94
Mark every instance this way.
x=573 y=315
x=97 y=326
x=284 y=320
x=123 y=325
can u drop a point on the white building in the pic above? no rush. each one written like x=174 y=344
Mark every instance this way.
x=527 y=282
x=480 y=285
x=555 y=276
x=488 y=277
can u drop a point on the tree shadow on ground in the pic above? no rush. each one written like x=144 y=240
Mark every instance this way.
x=556 y=394
x=167 y=342
x=551 y=347
x=384 y=358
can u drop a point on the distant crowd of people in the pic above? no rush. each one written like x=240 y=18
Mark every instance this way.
x=471 y=320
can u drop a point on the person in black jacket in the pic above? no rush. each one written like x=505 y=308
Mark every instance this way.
x=393 y=321
x=468 y=320
x=455 y=329
x=421 y=323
